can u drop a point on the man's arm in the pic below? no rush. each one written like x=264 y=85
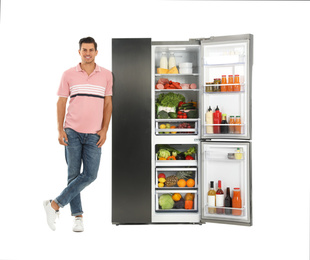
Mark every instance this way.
x=61 y=111
x=107 y=112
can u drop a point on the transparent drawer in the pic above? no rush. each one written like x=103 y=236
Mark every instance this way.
x=168 y=127
x=178 y=206
x=179 y=173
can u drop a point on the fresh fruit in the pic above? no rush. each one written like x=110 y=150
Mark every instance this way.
x=160 y=185
x=162 y=180
x=190 y=183
x=161 y=158
x=162 y=126
x=189 y=196
x=161 y=175
x=176 y=196
x=171 y=181
x=188 y=204
x=181 y=183
x=172 y=127
x=188 y=157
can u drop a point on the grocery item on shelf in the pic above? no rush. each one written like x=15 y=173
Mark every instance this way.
x=219 y=198
x=211 y=199
x=227 y=202
x=231 y=124
x=238 y=125
x=209 y=120
x=230 y=81
x=236 y=81
x=186 y=68
x=172 y=62
x=217 y=117
x=216 y=86
x=209 y=86
x=238 y=154
x=163 y=61
x=236 y=202
x=224 y=81
x=224 y=126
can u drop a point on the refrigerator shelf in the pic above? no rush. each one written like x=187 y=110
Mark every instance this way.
x=224 y=92
x=237 y=210
x=224 y=64
x=169 y=75
x=173 y=90
x=166 y=163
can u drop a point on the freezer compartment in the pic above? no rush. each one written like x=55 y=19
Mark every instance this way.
x=177 y=206
x=163 y=153
x=188 y=177
x=176 y=127
x=229 y=163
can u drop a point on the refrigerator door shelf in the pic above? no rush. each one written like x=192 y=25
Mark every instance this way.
x=233 y=212
x=175 y=210
x=174 y=171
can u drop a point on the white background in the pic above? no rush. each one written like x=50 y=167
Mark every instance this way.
x=39 y=40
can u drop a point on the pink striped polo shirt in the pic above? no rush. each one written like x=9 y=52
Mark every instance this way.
x=85 y=110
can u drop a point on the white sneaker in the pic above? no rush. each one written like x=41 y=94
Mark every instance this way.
x=78 y=225
x=51 y=214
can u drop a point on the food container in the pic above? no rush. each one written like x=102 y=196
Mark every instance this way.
x=209 y=86
x=186 y=68
x=231 y=156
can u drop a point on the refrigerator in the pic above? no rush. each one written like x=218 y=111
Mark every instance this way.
x=219 y=150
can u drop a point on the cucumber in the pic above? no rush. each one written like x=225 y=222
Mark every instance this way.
x=173 y=115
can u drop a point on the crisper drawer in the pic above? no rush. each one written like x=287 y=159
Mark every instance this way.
x=168 y=127
x=175 y=206
x=176 y=179
x=165 y=153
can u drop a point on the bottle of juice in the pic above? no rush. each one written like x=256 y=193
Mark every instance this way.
x=238 y=127
x=230 y=81
x=211 y=199
x=236 y=202
x=224 y=81
x=217 y=119
x=236 y=81
x=209 y=120
x=231 y=124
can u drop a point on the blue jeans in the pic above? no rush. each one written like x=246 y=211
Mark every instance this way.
x=81 y=148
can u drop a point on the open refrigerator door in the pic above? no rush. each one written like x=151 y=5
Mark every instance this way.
x=226 y=182
x=226 y=87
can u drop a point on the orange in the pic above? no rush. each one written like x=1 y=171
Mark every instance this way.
x=181 y=183
x=190 y=183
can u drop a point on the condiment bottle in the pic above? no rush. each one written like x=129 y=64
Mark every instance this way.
x=230 y=81
x=238 y=154
x=227 y=202
x=217 y=118
x=238 y=125
x=224 y=126
x=172 y=62
x=236 y=81
x=209 y=120
x=211 y=199
x=224 y=81
x=163 y=61
x=236 y=202
x=231 y=124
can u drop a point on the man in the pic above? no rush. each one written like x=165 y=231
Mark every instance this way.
x=84 y=130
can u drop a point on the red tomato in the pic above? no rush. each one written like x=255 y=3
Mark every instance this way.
x=161 y=175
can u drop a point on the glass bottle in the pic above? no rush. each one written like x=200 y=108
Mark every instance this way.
x=219 y=198
x=224 y=125
x=172 y=62
x=163 y=61
x=230 y=81
x=236 y=81
x=211 y=199
x=224 y=81
x=231 y=124
x=227 y=202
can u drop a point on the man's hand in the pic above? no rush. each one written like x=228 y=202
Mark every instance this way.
x=62 y=135
x=103 y=137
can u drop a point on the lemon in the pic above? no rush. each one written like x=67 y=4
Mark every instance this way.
x=162 y=126
x=162 y=180
x=160 y=185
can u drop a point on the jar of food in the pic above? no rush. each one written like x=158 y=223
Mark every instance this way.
x=209 y=86
x=216 y=87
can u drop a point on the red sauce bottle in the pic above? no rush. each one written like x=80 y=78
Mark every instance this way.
x=217 y=119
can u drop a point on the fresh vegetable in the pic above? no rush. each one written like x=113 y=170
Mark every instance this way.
x=166 y=201
x=172 y=127
x=188 y=157
x=172 y=114
x=179 y=204
x=162 y=115
x=190 y=151
x=163 y=153
x=162 y=180
x=180 y=156
x=181 y=183
x=188 y=204
x=174 y=153
x=194 y=103
x=171 y=157
x=170 y=99
x=161 y=158
x=176 y=196
x=168 y=148
x=161 y=175
x=181 y=103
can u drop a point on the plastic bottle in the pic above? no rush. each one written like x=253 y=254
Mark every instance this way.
x=217 y=119
x=236 y=81
x=231 y=124
x=209 y=120
x=230 y=81
x=236 y=202
x=172 y=62
x=163 y=61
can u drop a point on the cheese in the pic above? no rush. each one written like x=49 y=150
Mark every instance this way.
x=173 y=70
x=162 y=71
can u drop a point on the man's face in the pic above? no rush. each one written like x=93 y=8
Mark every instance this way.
x=88 y=53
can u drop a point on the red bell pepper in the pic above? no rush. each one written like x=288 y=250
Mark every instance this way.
x=188 y=157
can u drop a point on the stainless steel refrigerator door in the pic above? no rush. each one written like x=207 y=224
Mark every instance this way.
x=220 y=162
x=227 y=55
